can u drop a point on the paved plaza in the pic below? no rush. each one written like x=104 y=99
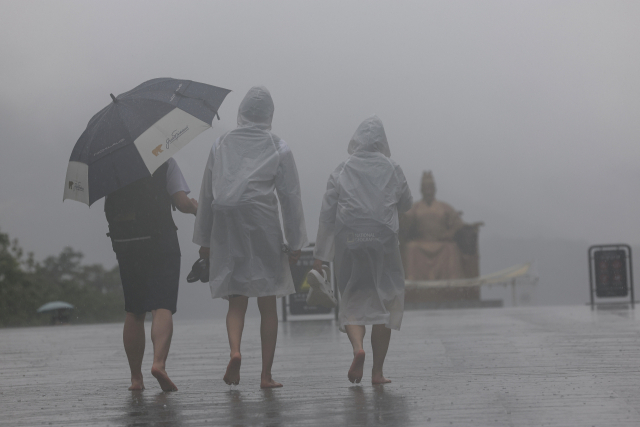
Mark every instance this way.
x=539 y=366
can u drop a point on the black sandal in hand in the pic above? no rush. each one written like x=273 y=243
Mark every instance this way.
x=199 y=271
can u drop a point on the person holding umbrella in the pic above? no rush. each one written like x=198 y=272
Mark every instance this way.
x=126 y=154
x=238 y=225
x=149 y=267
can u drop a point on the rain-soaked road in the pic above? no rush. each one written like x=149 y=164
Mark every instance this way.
x=551 y=366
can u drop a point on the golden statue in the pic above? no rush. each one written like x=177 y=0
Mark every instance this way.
x=436 y=244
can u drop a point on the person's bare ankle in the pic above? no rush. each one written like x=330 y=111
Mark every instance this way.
x=378 y=378
x=160 y=374
x=232 y=375
x=357 y=367
x=266 y=381
x=136 y=382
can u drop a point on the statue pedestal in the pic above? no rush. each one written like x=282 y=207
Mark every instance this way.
x=438 y=298
x=439 y=295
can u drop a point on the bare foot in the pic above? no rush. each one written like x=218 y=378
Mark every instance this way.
x=163 y=379
x=136 y=382
x=268 y=382
x=356 y=369
x=378 y=379
x=232 y=376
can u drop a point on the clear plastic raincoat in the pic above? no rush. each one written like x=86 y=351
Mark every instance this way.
x=238 y=216
x=359 y=230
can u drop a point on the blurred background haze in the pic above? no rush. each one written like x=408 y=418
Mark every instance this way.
x=526 y=112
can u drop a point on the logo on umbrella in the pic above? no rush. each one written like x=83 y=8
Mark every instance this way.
x=174 y=94
x=156 y=151
x=75 y=186
x=107 y=148
x=175 y=135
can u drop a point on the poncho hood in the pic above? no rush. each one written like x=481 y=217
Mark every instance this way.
x=256 y=109
x=370 y=136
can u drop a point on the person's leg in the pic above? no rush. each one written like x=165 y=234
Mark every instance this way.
x=161 y=333
x=268 y=336
x=235 y=326
x=133 y=339
x=380 y=337
x=133 y=334
x=356 y=336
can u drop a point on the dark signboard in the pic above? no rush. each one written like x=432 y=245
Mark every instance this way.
x=298 y=301
x=611 y=273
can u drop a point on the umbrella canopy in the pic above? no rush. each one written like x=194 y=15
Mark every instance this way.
x=135 y=134
x=54 y=305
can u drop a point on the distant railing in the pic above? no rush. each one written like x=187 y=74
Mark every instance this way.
x=521 y=274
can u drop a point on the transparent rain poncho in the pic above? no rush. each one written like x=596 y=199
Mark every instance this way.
x=359 y=230
x=238 y=210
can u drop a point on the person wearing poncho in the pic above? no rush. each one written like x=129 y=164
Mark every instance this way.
x=358 y=230
x=238 y=225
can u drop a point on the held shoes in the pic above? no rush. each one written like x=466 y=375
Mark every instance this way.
x=199 y=271
x=320 y=292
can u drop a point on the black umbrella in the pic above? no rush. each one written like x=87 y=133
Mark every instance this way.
x=135 y=134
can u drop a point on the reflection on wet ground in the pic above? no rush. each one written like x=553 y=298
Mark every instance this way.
x=490 y=367
x=361 y=406
x=377 y=407
x=158 y=410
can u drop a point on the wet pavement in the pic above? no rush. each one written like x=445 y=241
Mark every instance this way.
x=551 y=366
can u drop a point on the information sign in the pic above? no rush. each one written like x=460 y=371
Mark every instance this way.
x=611 y=273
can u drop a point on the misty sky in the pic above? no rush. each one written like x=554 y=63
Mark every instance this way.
x=527 y=112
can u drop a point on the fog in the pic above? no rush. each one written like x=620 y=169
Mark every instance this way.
x=526 y=112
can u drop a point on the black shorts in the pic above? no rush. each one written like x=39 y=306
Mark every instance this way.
x=149 y=275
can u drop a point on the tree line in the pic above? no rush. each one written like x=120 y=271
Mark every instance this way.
x=26 y=284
